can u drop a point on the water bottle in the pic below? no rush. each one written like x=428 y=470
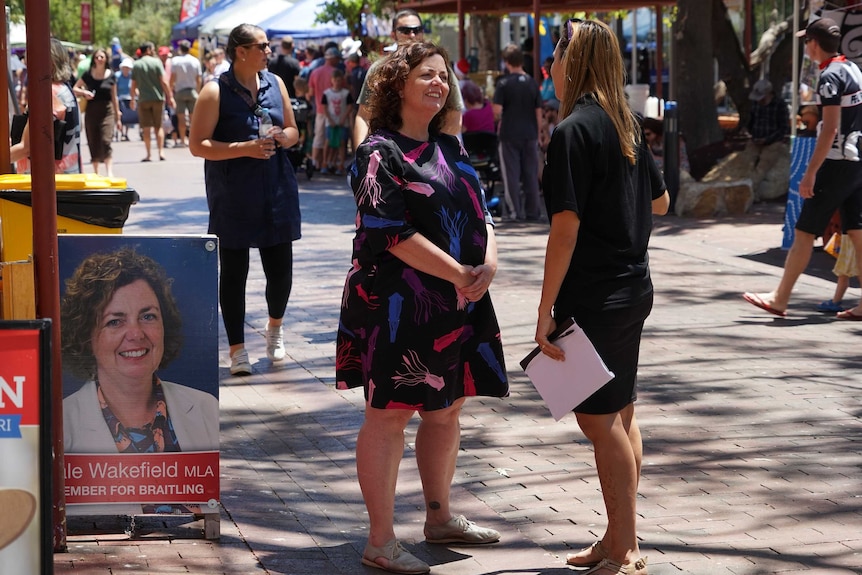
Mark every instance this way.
x=265 y=124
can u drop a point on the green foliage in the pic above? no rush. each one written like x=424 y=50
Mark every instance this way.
x=65 y=19
x=132 y=21
x=350 y=12
x=149 y=21
x=16 y=10
x=342 y=12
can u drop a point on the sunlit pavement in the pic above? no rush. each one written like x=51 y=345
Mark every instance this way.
x=751 y=423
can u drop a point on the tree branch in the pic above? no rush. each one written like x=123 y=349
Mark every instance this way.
x=768 y=42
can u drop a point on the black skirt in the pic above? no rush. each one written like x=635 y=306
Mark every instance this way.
x=616 y=335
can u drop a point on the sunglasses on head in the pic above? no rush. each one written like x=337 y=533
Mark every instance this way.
x=569 y=29
x=407 y=30
x=261 y=45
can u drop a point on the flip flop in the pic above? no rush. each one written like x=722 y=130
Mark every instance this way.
x=849 y=315
x=756 y=300
x=146 y=160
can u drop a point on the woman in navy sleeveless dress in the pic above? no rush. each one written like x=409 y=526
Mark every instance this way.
x=251 y=186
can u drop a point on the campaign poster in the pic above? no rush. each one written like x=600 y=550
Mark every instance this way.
x=25 y=447
x=139 y=345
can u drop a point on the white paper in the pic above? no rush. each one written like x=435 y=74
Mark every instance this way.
x=565 y=384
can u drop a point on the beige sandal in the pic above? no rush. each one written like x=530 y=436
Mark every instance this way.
x=610 y=566
x=588 y=556
x=398 y=559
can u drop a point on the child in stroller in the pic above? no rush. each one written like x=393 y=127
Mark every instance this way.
x=482 y=149
x=299 y=153
x=128 y=117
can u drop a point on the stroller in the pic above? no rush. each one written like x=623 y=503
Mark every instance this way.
x=297 y=152
x=128 y=118
x=482 y=149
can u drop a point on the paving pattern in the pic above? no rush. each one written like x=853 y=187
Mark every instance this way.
x=751 y=423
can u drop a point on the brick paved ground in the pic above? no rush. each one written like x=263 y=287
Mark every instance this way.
x=751 y=423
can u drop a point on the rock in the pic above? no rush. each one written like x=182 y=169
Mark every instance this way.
x=735 y=166
x=709 y=199
x=768 y=168
x=774 y=166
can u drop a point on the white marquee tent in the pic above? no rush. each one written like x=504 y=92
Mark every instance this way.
x=220 y=18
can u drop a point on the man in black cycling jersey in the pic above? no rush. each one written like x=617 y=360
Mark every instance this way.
x=833 y=178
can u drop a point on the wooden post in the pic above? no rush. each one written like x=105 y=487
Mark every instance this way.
x=537 y=45
x=462 y=44
x=5 y=162
x=659 y=52
x=44 y=201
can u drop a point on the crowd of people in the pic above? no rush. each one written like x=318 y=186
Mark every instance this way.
x=105 y=91
x=418 y=330
x=153 y=92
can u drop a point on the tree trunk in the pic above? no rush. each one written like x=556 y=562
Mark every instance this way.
x=488 y=38
x=776 y=44
x=732 y=64
x=692 y=32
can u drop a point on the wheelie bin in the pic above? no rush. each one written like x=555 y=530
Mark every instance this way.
x=86 y=204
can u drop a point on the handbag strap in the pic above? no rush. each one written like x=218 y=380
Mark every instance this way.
x=255 y=107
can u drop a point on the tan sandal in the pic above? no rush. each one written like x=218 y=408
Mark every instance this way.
x=588 y=556
x=611 y=567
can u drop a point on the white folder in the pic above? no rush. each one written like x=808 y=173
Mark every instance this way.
x=565 y=384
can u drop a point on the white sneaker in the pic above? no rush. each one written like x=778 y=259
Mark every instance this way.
x=239 y=364
x=274 y=343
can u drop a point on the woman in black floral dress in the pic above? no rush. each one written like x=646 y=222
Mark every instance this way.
x=417 y=329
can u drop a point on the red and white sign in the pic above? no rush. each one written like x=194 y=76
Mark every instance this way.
x=86 y=22
x=19 y=381
x=187 y=478
x=190 y=9
x=24 y=375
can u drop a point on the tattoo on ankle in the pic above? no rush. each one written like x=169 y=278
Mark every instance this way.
x=434 y=505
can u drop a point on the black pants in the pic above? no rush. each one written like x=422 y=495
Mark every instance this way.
x=277 y=267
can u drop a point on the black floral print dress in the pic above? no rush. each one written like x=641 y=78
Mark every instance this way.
x=405 y=335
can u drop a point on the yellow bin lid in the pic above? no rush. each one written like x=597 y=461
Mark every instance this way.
x=65 y=182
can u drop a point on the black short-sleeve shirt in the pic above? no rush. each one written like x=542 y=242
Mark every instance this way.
x=519 y=95
x=840 y=84
x=587 y=173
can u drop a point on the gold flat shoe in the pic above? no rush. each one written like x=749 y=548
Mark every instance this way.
x=610 y=567
x=588 y=556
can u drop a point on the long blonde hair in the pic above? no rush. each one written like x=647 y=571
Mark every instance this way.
x=593 y=64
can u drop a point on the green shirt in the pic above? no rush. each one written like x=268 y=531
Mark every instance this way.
x=83 y=66
x=147 y=74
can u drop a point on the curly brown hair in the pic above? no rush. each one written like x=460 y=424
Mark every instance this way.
x=89 y=291
x=384 y=99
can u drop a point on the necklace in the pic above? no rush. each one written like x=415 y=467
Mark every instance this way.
x=156 y=436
